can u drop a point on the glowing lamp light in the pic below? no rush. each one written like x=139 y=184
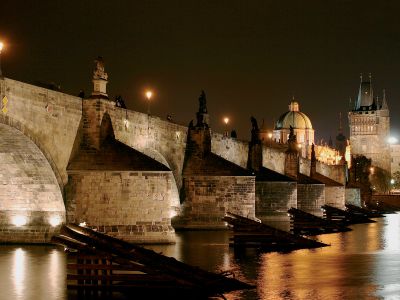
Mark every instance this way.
x=149 y=94
x=55 y=221
x=392 y=140
x=1 y=46
x=299 y=146
x=270 y=135
x=226 y=121
x=19 y=221
x=392 y=181
x=83 y=224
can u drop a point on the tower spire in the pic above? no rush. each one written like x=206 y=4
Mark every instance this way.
x=384 y=103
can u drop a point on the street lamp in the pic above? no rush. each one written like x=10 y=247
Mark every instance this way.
x=149 y=94
x=226 y=121
x=1 y=48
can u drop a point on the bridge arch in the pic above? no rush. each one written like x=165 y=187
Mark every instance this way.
x=30 y=199
x=15 y=124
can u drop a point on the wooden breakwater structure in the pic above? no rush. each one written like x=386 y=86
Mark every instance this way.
x=346 y=217
x=249 y=233
x=100 y=265
x=302 y=222
x=368 y=213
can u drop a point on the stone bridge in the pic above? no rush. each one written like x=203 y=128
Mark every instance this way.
x=51 y=120
x=43 y=130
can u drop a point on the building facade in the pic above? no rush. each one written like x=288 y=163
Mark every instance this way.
x=369 y=123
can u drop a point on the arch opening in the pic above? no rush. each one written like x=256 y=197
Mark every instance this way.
x=31 y=203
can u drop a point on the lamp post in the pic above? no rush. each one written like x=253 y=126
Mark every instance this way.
x=149 y=94
x=226 y=121
x=1 y=48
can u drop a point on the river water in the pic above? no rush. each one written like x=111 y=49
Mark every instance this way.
x=360 y=264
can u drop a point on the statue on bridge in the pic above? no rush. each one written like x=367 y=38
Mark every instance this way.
x=202 y=115
x=292 y=140
x=255 y=131
x=99 y=72
x=202 y=103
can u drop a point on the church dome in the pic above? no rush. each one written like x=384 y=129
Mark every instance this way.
x=294 y=118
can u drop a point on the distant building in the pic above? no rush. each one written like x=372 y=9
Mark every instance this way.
x=302 y=128
x=369 y=126
x=301 y=125
x=395 y=158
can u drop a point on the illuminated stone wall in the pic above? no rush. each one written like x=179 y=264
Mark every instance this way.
x=31 y=204
x=310 y=198
x=353 y=196
x=335 y=196
x=273 y=199
x=47 y=117
x=274 y=158
x=134 y=206
x=233 y=150
x=334 y=172
x=208 y=198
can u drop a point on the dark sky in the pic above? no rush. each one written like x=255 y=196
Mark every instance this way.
x=250 y=57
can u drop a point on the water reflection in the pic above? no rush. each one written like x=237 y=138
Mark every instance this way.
x=388 y=260
x=32 y=272
x=18 y=272
x=360 y=264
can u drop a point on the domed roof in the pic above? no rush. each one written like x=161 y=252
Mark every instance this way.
x=293 y=118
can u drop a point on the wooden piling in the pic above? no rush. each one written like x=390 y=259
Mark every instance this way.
x=309 y=224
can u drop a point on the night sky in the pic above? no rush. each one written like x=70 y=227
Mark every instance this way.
x=251 y=57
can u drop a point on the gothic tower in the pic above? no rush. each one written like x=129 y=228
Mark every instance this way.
x=369 y=126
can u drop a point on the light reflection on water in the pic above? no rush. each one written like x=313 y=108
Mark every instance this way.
x=360 y=264
x=32 y=272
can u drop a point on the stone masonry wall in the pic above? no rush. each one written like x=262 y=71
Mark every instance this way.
x=134 y=206
x=49 y=118
x=208 y=198
x=353 y=196
x=273 y=199
x=310 y=198
x=335 y=196
x=334 y=172
x=159 y=139
x=274 y=159
x=231 y=149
